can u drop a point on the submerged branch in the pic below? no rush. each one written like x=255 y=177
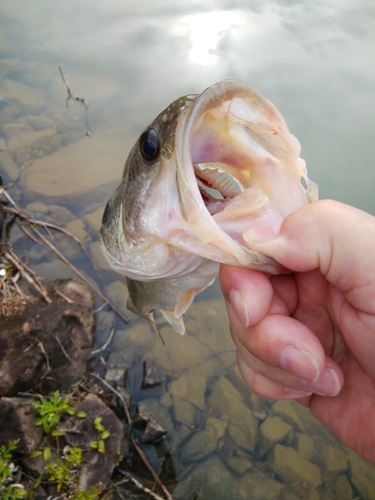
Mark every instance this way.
x=28 y=273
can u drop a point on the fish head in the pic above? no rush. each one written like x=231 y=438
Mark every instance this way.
x=207 y=169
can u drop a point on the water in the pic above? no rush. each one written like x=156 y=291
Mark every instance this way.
x=314 y=59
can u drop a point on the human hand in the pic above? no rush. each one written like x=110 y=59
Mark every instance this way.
x=310 y=335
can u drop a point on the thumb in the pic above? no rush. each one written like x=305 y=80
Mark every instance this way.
x=327 y=235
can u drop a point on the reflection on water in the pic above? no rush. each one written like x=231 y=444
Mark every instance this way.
x=315 y=61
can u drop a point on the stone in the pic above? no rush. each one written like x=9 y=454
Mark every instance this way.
x=97 y=467
x=290 y=466
x=179 y=436
x=205 y=441
x=46 y=346
x=138 y=339
x=41 y=122
x=77 y=228
x=151 y=374
x=3 y=146
x=239 y=465
x=18 y=127
x=243 y=434
x=116 y=375
x=362 y=475
x=60 y=215
x=30 y=145
x=118 y=406
x=334 y=461
x=85 y=171
x=8 y=168
x=53 y=270
x=146 y=419
x=18 y=421
x=304 y=445
x=36 y=207
x=166 y=400
x=286 y=410
x=191 y=389
x=118 y=293
x=29 y=98
x=343 y=488
x=93 y=220
x=272 y=431
x=258 y=486
x=185 y=412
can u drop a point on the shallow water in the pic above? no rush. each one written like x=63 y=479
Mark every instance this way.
x=315 y=60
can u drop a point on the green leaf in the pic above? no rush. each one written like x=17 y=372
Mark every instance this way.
x=47 y=453
x=56 y=433
x=105 y=434
x=81 y=414
x=35 y=453
x=94 y=444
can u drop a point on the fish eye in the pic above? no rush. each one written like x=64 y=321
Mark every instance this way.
x=149 y=144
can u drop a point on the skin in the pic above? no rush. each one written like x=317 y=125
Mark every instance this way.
x=310 y=335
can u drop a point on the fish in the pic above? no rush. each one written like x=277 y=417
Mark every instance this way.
x=208 y=168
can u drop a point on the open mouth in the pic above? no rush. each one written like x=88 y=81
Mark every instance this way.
x=216 y=185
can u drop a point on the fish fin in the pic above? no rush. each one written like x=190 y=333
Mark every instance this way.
x=151 y=320
x=177 y=323
x=130 y=305
x=186 y=298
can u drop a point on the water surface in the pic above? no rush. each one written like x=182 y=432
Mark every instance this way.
x=315 y=60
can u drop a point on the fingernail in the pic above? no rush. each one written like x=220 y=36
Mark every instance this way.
x=301 y=363
x=263 y=232
x=328 y=384
x=240 y=307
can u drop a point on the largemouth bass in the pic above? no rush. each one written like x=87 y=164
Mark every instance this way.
x=205 y=170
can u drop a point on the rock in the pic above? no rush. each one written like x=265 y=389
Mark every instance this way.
x=54 y=270
x=186 y=413
x=304 y=445
x=35 y=207
x=290 y=466
x=362 y=476
x=93 y=220
x=138 y=339
x=273 y=430
x=41 y=122
x=30 y=145
x=18 y=127
x=9 y=170
x=258 y=486
x=179 y=435
x=155 y=420
x=334 y=461
x=77 y=228
x=97 y=467
x=243 y=434
x=166 y=400
x=239 y=465
x=343 y=488
x=18 y=421
x=84 y=171
x=28 y=98
x=60 y=215
x=116 y=403
x=206 y=441
x=116 y=375
x=118 y=293
x=31 y=356
x=286 y=410
x=191 y=389
x=3 y=146
x=151 y=374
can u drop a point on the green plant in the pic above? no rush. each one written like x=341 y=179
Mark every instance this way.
x=61 y=471
x=50 y=411
x=8 y=489
x=103 y=434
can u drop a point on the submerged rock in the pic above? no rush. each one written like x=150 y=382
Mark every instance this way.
x=47 y=345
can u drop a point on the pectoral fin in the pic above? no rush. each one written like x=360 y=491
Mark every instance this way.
x=177 y=323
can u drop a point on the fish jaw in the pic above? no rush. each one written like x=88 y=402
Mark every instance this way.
x=233 y=126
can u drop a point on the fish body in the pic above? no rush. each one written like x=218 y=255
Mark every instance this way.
x=208 y=168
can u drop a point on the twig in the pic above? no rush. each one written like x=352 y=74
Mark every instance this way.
x=63 y=349
x=41 y=347
x=149 y=467
x=17 y=212
x=104 y=346
x=104 y=382
x=140 y=485
x=78 y=99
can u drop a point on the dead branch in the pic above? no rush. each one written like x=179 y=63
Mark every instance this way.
x=157 y=480
x=140 y=485
x=104 y=382
x=81 y=100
